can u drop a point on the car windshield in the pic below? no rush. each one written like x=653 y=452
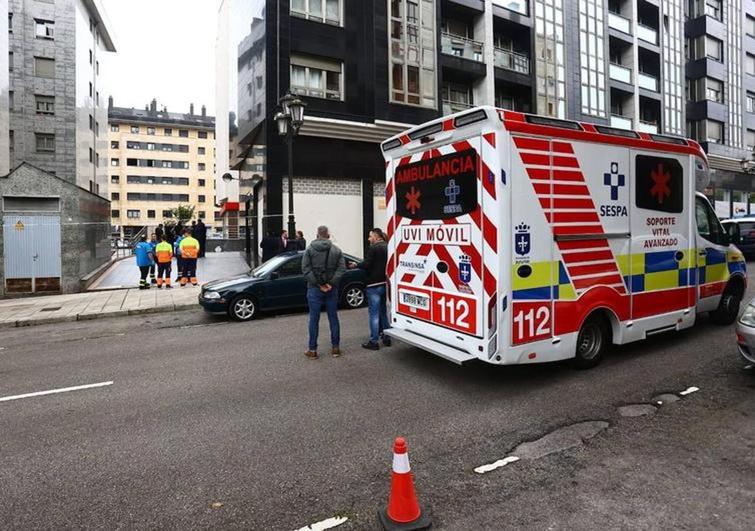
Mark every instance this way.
x=268 y=267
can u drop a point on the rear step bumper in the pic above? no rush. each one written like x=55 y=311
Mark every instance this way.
x=444 y=351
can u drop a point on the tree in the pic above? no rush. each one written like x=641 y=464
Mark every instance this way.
x=183 y=212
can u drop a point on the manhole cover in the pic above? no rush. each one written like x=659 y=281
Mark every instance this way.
x=53 y=309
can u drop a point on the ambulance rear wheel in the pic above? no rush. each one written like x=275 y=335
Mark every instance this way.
x=728 y=308
x=591 y=342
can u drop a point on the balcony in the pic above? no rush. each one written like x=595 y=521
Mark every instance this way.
x=461 y=47
x=621 y=122
x=450 y=106
x=647 y=81
x=508 y=60
x=647 y=34
x=620 y=23
x=620 y=73
x=648 y=127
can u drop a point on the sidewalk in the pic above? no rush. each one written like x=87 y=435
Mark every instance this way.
x=95 y=305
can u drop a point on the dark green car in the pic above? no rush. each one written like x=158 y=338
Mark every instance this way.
x=278 y=284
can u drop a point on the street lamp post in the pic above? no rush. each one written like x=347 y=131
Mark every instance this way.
x=289 y=120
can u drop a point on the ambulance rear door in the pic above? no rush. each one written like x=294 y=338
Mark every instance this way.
x=438 y=269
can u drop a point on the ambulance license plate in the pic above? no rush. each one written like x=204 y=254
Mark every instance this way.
x=415 y=300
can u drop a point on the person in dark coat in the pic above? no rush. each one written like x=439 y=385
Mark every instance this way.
x=200 y=233
x=283 y=242
x=193 y=228
x=159 y=232
x=269 y=245
x=374 y=265
x=301 y=243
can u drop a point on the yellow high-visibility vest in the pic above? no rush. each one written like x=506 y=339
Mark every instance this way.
x=189 y=247
x=164 y=252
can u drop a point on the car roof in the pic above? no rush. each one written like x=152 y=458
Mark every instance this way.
x=737 y=220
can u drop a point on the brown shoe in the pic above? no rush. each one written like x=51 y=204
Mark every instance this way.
x=336 y=352
x=311 y=354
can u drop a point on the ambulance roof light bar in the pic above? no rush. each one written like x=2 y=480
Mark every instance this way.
x=552 y=122
x=669 y=139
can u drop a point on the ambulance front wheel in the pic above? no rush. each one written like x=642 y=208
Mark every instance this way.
x=591 y=342
x=728 y=308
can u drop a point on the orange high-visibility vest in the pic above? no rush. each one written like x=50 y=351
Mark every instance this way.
x=189 y=247
x=164 y=252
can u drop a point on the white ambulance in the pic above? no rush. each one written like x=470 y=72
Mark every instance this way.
x=516 y=238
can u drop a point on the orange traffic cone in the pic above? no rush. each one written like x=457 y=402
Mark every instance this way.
x=403 y=512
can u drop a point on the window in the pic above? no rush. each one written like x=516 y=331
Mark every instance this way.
x=44 y=67
x=91 y=57
x=44 y=29
x=97 y=98
x=168 y=131
x=316 y=77
x=151 y=214
x=97 y=68
x=201 y=166
x=202 y=214
x=328 y=11
x=167 y=213
x=412 y=54
x=115 y=213
x=659 y=184
x=200 y=198
x=714 y=49
x=518 y=6
x=91 y=122
x=714 y=132
x=750 y=25
x=183 y=133
x=91 y=89
x=115 y=162
x=114 y=144
x=115 y=196
x=750 y=139
x=10 y=22
x=114 y=128
x=290 y=268
x=708 y=225
x=11 y=100
x=200 y=151
x=202 y=134
x=133 y=214
x=714 y=90
x=45 y=142
x=91 y=155
x=711 y=8
x=97 y=159
x=135 y=129
x=11 y=146
x=750 y=64
x=10 y=61
x=750 y=102
x=202 y=182
x=114 y=179
x=96 y=128
x=150 y=130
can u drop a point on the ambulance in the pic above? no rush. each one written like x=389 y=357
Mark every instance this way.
x=515 y=238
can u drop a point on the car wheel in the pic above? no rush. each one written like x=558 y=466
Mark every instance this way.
x=591 y=342
x=728 y=309
x=242 y=308
x=353 y=296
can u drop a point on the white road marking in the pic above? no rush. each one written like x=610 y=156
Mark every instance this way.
x=498 y=464
x=689 y=390
x=330 y=523
x=55 y=391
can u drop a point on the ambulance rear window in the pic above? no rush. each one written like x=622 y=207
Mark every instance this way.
x=438 y=188
x=659 y=184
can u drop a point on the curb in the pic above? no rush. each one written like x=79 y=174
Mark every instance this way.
x=97 y=315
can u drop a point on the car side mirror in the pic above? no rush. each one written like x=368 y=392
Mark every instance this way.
x=275 y=275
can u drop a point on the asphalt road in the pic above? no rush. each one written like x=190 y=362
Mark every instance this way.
x=209 y=424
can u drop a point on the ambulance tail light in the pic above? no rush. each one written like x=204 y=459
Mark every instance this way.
x=493 y=315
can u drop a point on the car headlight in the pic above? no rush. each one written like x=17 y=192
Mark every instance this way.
x=748 y=318
x=211 y=295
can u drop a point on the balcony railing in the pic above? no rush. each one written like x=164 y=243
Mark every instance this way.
x=450 y=106
x=622 y=122
x=647 y=81
x=620 y=73
x=508 y=60
x=647 y=34
x=619 y=22
x=648 y=127
x=461 y=47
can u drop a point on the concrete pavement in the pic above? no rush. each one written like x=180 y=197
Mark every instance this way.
x=210 y=424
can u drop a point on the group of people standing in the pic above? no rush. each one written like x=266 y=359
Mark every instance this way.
x=276 y=243
x=154 y=257
x=323 y=265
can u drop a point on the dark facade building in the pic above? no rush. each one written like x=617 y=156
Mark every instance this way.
x=367 y=70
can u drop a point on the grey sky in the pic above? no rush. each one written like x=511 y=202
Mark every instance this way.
x=166 y=50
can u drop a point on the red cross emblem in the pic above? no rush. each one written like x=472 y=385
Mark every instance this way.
x=660 y=189
x=412 y=200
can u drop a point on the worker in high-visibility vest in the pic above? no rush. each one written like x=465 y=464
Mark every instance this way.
x=164 y=256
x=189 y=248
x=144 y=258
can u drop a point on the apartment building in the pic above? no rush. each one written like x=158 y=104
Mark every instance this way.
x=158 y=160
x=370 y=69
x=57 y=113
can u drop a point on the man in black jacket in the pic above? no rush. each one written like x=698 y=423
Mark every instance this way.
x=269 y=246
x=374 y=266
x=323 y=266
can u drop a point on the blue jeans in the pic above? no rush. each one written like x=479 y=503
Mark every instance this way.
x=376 y=304
x=316 y=299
